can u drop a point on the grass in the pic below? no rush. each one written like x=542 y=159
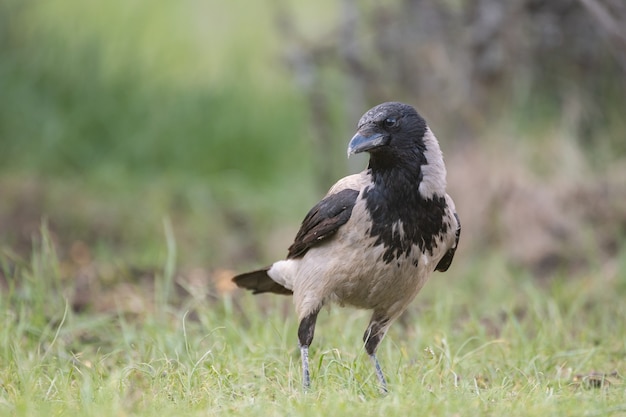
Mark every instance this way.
x=175 y=138
x=483 y=339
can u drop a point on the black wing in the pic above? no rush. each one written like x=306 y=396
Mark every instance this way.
x=445 y=262
x=323 y=221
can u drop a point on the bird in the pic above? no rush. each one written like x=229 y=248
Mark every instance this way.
x=376 y=237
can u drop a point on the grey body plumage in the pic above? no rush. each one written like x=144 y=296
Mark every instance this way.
x=376 y=237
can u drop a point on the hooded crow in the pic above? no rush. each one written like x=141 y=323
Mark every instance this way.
x=376 y=237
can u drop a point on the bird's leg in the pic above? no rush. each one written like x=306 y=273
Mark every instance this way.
x=379 y=374
x=306 y=330
x=373 y=335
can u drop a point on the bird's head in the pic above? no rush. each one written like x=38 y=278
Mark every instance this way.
x=388 y=127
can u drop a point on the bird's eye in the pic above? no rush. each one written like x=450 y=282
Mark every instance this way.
x=390 y=122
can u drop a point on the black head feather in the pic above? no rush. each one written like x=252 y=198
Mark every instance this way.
x=391 y=132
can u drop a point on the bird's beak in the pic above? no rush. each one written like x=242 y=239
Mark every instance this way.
x=362 y=142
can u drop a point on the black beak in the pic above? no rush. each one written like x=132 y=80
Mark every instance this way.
x=366 y=142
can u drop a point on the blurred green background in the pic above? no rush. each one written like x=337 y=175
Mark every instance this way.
x=216 y=125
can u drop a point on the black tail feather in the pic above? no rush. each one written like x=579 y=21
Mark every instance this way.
x=259 y=282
